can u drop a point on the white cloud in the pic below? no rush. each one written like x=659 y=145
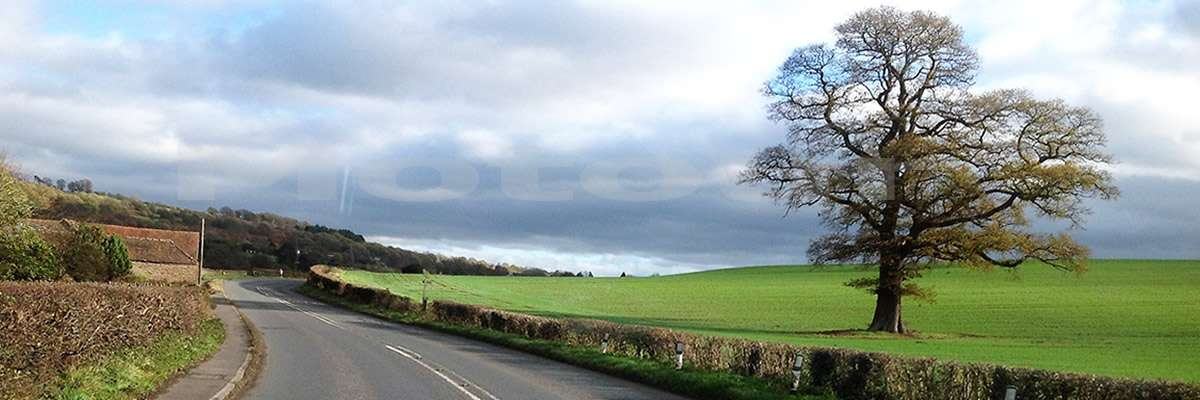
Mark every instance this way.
x=1135 y=171
x=600 y=264
x=1110 y=56
x=485 y=145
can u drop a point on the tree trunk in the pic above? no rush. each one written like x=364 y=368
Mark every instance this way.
x=888 y=296
x=887 y=313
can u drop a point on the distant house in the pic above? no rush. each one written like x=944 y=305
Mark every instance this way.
x=157 y=254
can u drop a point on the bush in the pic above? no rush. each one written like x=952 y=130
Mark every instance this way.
x=25 y=256
x=260 y=260
x=14 y=204
x=83 y=254
x=88 y=254
x=117 y=256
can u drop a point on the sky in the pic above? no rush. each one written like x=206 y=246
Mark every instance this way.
x=581 y=135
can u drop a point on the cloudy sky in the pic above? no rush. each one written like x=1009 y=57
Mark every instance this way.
x=581 y=135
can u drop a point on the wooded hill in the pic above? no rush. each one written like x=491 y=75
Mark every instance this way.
x=238 y=239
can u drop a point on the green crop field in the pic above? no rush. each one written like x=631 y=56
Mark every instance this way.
x=1122 y=318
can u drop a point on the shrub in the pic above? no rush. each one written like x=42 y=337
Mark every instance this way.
x=25 y=256
x=117 y=256
x=260 y=260
x=14 y=204
x=83 y=254
x=90 y=255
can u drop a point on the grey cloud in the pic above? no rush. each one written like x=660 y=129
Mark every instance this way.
x=704 y=229
x=500 y=54
x=327 y=49
x=1153 y=218
x=1187 y=16
x=1138 y=136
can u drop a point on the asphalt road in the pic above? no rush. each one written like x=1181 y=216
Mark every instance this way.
x=318 y=351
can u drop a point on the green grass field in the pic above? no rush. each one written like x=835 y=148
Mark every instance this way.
x=1122 y=318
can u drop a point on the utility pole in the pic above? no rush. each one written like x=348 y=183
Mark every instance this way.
x=200 y=256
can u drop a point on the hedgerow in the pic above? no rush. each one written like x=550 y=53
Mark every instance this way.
x=49 y=327
x=849 y=374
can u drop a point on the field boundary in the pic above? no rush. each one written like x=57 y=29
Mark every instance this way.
x=847 y=373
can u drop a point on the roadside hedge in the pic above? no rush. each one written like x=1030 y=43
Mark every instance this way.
x=48 y=327
x=849 y=374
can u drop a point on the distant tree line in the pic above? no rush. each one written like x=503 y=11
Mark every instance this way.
x=76 y=186
x=557 y=273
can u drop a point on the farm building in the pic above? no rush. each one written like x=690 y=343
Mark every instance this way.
x=157 y=254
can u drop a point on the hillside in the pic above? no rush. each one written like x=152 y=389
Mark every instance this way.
x=1122 y=318
x=237 y=239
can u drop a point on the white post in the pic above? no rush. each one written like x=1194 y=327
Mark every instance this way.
x=604 y=344
x=796 y=369
x=200 y=256
x=678 y=355
x=425 y=281
x=1010 y=393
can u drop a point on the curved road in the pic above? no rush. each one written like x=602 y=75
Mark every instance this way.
x=318 y=351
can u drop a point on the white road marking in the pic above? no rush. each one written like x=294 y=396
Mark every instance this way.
x=437 y=371
x=401 y=350
x=406 y=350
x=477 y=387
x=318 y=317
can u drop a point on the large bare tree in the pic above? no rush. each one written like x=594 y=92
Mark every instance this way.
x=909 y=166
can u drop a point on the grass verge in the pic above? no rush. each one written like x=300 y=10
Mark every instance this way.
x=224 y=275
x=139 y=372
x=702 y=385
